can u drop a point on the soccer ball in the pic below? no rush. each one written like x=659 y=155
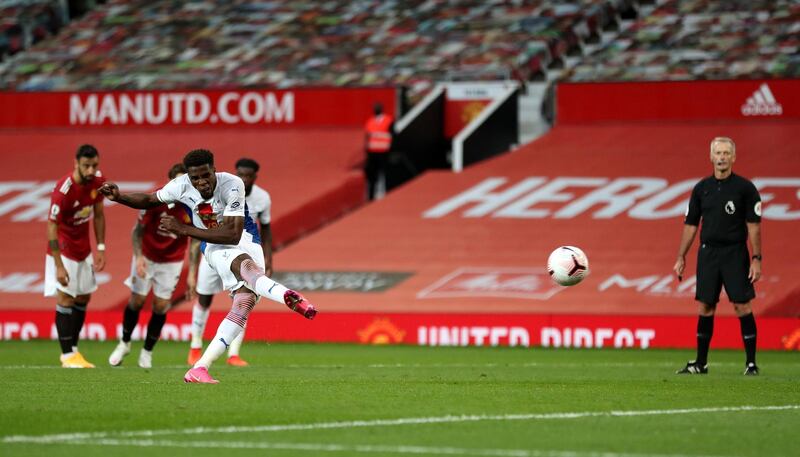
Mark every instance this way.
x=567 y=265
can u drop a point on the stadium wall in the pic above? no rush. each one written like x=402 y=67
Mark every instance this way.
x=307 y=107
x=675 y=101
x=522 y=330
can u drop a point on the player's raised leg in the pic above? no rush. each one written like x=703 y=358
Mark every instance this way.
x=253 y=274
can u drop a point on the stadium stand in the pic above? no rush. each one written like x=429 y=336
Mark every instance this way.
x=701 y=39
x=25 y=23
x=164 y=44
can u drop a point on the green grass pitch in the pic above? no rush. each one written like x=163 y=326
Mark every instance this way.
x=342 y=400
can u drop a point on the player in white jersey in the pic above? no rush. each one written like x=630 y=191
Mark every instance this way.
x=230 y=244
x=208 y=281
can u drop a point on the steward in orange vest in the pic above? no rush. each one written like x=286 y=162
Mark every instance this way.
x=378 y=143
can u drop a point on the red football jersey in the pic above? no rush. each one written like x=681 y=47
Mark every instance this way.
x=72 y=207
x=159 y=245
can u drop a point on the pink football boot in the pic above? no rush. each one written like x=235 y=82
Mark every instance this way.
x=298 y=304
x=199 y=375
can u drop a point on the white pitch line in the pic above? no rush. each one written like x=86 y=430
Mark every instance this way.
x=66 y=437
x=363 y=448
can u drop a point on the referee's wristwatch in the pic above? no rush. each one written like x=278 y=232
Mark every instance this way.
x=756 y=257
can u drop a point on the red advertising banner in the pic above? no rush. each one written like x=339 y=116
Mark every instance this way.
x=526 y=330
x=690 y=100
x=209 y=108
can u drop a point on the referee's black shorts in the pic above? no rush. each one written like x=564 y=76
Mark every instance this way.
x=723 y=265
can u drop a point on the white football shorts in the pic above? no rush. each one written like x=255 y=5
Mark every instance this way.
x=81 y=277
x=219 y=258
x=208 y=281
x=161 y=277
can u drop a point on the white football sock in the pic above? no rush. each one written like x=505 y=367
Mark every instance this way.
x=236 y=345
x=226 y=333
x=266 y=287
x=199 y=320
x=254 y=276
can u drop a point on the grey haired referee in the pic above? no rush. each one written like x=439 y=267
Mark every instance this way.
x=730 y=208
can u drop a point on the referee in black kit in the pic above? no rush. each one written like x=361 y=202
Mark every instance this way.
x=730 y=208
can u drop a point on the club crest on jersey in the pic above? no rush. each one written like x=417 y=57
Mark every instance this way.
x=730 y=208
x=206 y=214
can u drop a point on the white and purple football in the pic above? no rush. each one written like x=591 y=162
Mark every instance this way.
x=568 y=265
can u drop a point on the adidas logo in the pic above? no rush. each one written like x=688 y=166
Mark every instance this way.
x=762 y=103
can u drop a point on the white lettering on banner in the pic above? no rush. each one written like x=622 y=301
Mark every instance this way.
x=653 y=284
x=481 y=194
x=108 y=111
x=618 y=196
x=180 y=108
x=32 y=199
x=130 y=109
x=198 y=108
x=16 y=331
x=152 y=116
x=648 y=209
x=550 y=192
x=581 y=337
x=777 y=211
x=644 y=198
x=473 y=336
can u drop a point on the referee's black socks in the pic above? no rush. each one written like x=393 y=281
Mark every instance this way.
x=705 y=330
x=748 y=325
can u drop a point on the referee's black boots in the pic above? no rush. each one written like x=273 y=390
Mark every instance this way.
x=692 y=367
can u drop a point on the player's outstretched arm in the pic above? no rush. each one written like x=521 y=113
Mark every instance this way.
x=135 y=200
x=228 y=232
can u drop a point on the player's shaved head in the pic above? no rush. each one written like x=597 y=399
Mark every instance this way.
x=198 y=158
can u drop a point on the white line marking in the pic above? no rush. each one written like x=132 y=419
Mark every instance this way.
x=364 y=448
x=66 y=437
